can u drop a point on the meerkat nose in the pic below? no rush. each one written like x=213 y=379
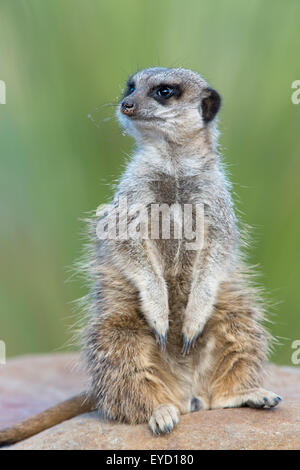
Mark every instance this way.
x=128 y=107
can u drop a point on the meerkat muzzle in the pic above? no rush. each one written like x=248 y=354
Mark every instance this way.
x=128 y=107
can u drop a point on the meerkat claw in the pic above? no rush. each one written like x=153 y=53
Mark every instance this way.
x=161 y=339
x=188 y=344
x=167 y=429
x=264 y=402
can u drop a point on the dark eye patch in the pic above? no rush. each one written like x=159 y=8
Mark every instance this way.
x=163 y=92
x=130 y=88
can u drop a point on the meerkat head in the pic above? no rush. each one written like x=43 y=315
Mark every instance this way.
x=171 y=103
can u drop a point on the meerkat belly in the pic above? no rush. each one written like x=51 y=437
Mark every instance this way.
x=171 y=200
x=172 y=207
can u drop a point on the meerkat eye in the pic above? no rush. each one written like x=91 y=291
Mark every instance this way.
x=130 y=89
x=165 y=92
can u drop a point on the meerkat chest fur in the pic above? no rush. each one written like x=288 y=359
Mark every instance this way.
x=174 y=185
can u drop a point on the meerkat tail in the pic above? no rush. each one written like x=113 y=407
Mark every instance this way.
x=46 y=419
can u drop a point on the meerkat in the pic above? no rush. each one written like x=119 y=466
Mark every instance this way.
x=170 y=330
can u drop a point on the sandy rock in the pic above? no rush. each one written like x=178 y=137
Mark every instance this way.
x=31 y=384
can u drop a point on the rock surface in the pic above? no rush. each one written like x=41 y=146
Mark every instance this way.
x=33 y=383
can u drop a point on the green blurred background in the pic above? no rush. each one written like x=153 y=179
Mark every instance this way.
x=63 y=60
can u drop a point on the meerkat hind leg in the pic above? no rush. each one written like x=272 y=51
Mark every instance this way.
x=237 y=380
x=238 y=365
x=257 y=398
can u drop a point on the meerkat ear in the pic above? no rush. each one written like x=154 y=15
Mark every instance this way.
x=210 y=104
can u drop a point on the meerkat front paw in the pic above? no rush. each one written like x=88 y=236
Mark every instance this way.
x=195 y=319
x=190 y=334
x=160 y=330
x=164 y=419
x=156 y=312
